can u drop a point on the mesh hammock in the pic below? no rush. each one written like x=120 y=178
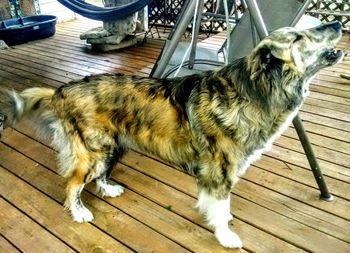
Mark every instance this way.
x=101 y=13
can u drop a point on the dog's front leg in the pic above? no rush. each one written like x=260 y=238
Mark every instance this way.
x=217 y=213
x=214 y=204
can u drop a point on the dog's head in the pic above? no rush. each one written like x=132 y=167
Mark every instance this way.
x=303 y=52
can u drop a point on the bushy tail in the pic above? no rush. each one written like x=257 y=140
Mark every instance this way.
x=32 y=102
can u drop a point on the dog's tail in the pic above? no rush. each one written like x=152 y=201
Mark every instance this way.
x=32 y=102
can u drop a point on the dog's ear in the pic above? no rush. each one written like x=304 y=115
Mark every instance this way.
x=280 y=50
x=265 y=58
x=268 y=55
x=289 y=52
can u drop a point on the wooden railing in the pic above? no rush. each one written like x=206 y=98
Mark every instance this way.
x=329 y=10
x=165 y=12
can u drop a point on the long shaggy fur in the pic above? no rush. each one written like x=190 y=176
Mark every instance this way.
x=213 y=124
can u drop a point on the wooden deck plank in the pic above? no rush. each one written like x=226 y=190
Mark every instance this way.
x=329 y=98
x=325 y=121
x=137 y=56
x=163 y=172
x=321 y=153
x=33 y=238
x=34 y=66
x=71 y=60
x=6 y=246
x=299 y=159
x=28 y=78
x=102 y=63
x=326 y=112
x=183 y=204
x=332 y=91
x=328 y=142
x=333 y=78
x=301 y=175
x=124 y=173
x=34 y=60
x=34 y=69
x=44 y=156
x=44 y=57
x=127 y=63
x=118 y=223
x=83 y=238
x=325 y=131
x=328 y=104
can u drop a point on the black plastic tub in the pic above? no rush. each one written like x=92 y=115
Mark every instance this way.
x=21 y=30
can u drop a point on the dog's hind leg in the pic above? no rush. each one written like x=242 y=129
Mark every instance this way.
x=73 y=200
x=102 y=185
x=91 y=166
x=214 y=203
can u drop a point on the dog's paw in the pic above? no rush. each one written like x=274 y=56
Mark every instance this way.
x=82 y=215
x=112 y=190
x=228 y=239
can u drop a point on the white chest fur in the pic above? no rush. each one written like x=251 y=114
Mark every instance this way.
x=257 y=153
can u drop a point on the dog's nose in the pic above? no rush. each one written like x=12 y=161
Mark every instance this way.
x=336 y=25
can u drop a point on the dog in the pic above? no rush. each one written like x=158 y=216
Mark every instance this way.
x=213 y=124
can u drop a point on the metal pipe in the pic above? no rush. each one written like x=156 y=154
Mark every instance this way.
x=258 y=20
x=171 y=43
x=325 y=195
x=196 y=32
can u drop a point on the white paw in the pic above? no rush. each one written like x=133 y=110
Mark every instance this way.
x=112 y=190
x=82 y=214
x=227 y=238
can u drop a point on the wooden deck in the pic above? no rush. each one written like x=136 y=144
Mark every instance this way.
x=276 y=205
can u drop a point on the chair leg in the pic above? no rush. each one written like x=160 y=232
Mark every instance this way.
x=316 y=170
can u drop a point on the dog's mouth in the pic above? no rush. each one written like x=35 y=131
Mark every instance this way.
x=333 y=56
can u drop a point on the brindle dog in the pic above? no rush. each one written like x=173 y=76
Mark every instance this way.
x=213 y=124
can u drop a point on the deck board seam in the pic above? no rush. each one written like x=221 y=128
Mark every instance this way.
x=7 y=240
x=33 y=220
